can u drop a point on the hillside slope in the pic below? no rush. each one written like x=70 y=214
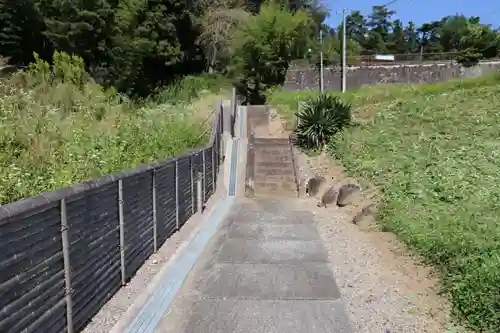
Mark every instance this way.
x=434 y=152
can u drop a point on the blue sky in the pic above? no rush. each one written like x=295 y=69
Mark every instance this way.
x=420 y=11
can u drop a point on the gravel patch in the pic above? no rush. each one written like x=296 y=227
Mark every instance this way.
x=380 y=292
x=384 y=288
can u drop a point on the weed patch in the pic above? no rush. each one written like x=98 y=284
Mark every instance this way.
x=58 y=128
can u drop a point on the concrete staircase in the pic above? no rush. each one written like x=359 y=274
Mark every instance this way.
x=270 y=163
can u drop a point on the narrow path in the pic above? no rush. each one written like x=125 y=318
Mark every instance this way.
x=266 y=270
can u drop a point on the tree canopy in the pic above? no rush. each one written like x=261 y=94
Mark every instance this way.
x=138 y=45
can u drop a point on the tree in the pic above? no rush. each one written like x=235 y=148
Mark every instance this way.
x=356 y=27
x=451 y=30
x=380 y=24
x=397 y=42
x=263 y=48
x=411 y=38
x=21 y=27
x=84 y=28
x=430 y=37
x=480 y=41
x=219 y=23
x=154 y=44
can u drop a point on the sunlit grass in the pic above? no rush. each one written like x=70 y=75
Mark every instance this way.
x=434 y=152
x=52 y=136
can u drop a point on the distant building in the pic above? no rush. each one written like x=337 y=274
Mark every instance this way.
x=380 y=59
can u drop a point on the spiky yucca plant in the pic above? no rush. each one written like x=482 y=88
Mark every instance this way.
x=319 y=119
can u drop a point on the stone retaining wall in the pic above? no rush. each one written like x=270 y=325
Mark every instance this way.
x=308 y=78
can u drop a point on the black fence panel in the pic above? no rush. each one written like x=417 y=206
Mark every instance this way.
x=166 y=212
x=71 y=240
x=185 y=190
x=31 y=270
x=209 y=172
x=94 y=243
x=138 y=220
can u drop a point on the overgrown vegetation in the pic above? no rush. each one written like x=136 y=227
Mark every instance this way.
x=262 y=49
x=433 y=151
x=117 y=93
x=58 y=127
x=319 y=119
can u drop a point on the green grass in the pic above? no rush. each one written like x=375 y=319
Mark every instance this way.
x=434 y=152
x=190 y=88
x=369 y=98
x=56 y=134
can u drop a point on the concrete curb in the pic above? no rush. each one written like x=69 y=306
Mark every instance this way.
x=141 y=300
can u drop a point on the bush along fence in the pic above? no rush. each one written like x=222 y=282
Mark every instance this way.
x=64 y=254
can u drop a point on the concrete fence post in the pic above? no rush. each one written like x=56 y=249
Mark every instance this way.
x=177 y=194
x=67 y=266
x=122 y=231
x=155 y=225
x=199 y=189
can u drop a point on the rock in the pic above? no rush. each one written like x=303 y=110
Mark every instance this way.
x=328 y=197
x=313 y=185
x=347 y=194
x=365 y=212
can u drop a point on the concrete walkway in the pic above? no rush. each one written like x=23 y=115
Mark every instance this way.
x=264 y=271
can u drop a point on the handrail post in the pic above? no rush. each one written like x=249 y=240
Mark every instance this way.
x=122 y=231
x=67 y=266
x=155 y=225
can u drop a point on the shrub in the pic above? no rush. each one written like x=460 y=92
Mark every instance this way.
x=319 y=119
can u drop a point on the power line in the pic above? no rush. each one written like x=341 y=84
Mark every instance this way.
x=389 y=3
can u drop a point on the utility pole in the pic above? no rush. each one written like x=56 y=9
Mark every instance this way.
x=344 y=50
x=321 y=60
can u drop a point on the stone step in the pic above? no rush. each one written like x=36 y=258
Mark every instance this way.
x=274 y=186
x=275 y=165
x=267 y=142
x=265 y=170
x=279 y=179
x=259 y=158
x=271 y=169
